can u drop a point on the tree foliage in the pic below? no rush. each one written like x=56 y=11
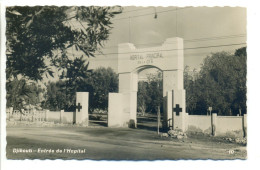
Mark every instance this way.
x=20 y=94
x=74 y=76
x=35 y=35
x=143 y=98
x=99 y=82
x=55 y=97
x=102 y=81
x=38 y=39
x=221 y=84
x=150 y=94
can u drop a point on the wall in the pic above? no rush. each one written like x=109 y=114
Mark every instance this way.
x=67 y=117
x=200 y=123
x=232 y=126
x=53 y=116
x=59 y=117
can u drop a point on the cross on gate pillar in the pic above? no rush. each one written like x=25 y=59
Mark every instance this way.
x=82 y=108
x=78 y=107
x=177 y=109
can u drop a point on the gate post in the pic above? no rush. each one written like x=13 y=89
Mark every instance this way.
x=82 y=108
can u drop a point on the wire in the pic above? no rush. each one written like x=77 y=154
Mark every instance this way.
x=225 y=45
x=189 y=41
x=136 y=16
x=137 y=10
x=216 y=38
x=185 y=55
x=214 y=46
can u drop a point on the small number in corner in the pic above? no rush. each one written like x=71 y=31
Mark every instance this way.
x=231 y=152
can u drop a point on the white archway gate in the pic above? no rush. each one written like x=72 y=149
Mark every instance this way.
x=169 y=59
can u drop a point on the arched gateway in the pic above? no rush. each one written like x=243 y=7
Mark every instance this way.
x=169 y=59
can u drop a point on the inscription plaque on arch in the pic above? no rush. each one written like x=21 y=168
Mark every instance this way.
x=147 y=58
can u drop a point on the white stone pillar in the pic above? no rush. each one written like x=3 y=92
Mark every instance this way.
x=173 y=80
x=133 y=108
x=115 y=111
x=179 y=98
x=173 y=98
x=82 y=108
x=128 y=87
x=169 y=83
x=128 y=82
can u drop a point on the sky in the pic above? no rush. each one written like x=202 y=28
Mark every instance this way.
x=224 y=28
x=198 y=26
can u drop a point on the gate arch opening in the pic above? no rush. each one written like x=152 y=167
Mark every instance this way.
x=149 y=98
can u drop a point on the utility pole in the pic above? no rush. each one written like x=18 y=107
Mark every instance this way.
x=158 y=120
x=210 y=109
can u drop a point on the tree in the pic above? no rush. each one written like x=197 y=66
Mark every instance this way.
x=23 y=95
x=39 y=37
x=74 y=76
x=155 y=91
x=191 y=90
x=55 y=98
x=150 y=94
x=102 y=81
x=99 y=82
x=143 y=99
x=221 y=84
x=35 y=34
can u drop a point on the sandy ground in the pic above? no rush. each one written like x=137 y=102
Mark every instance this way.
x=102 y=143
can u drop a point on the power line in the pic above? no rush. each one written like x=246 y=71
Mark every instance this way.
x=137 y=10
x=216 y=38
x=225 y=45
x=190 y=40
x=202 y=47
x=185 y=55
x=136 y=16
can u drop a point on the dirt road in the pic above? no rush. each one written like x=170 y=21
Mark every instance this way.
x=113 y=144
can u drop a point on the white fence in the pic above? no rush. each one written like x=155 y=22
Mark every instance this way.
x=41 y=115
